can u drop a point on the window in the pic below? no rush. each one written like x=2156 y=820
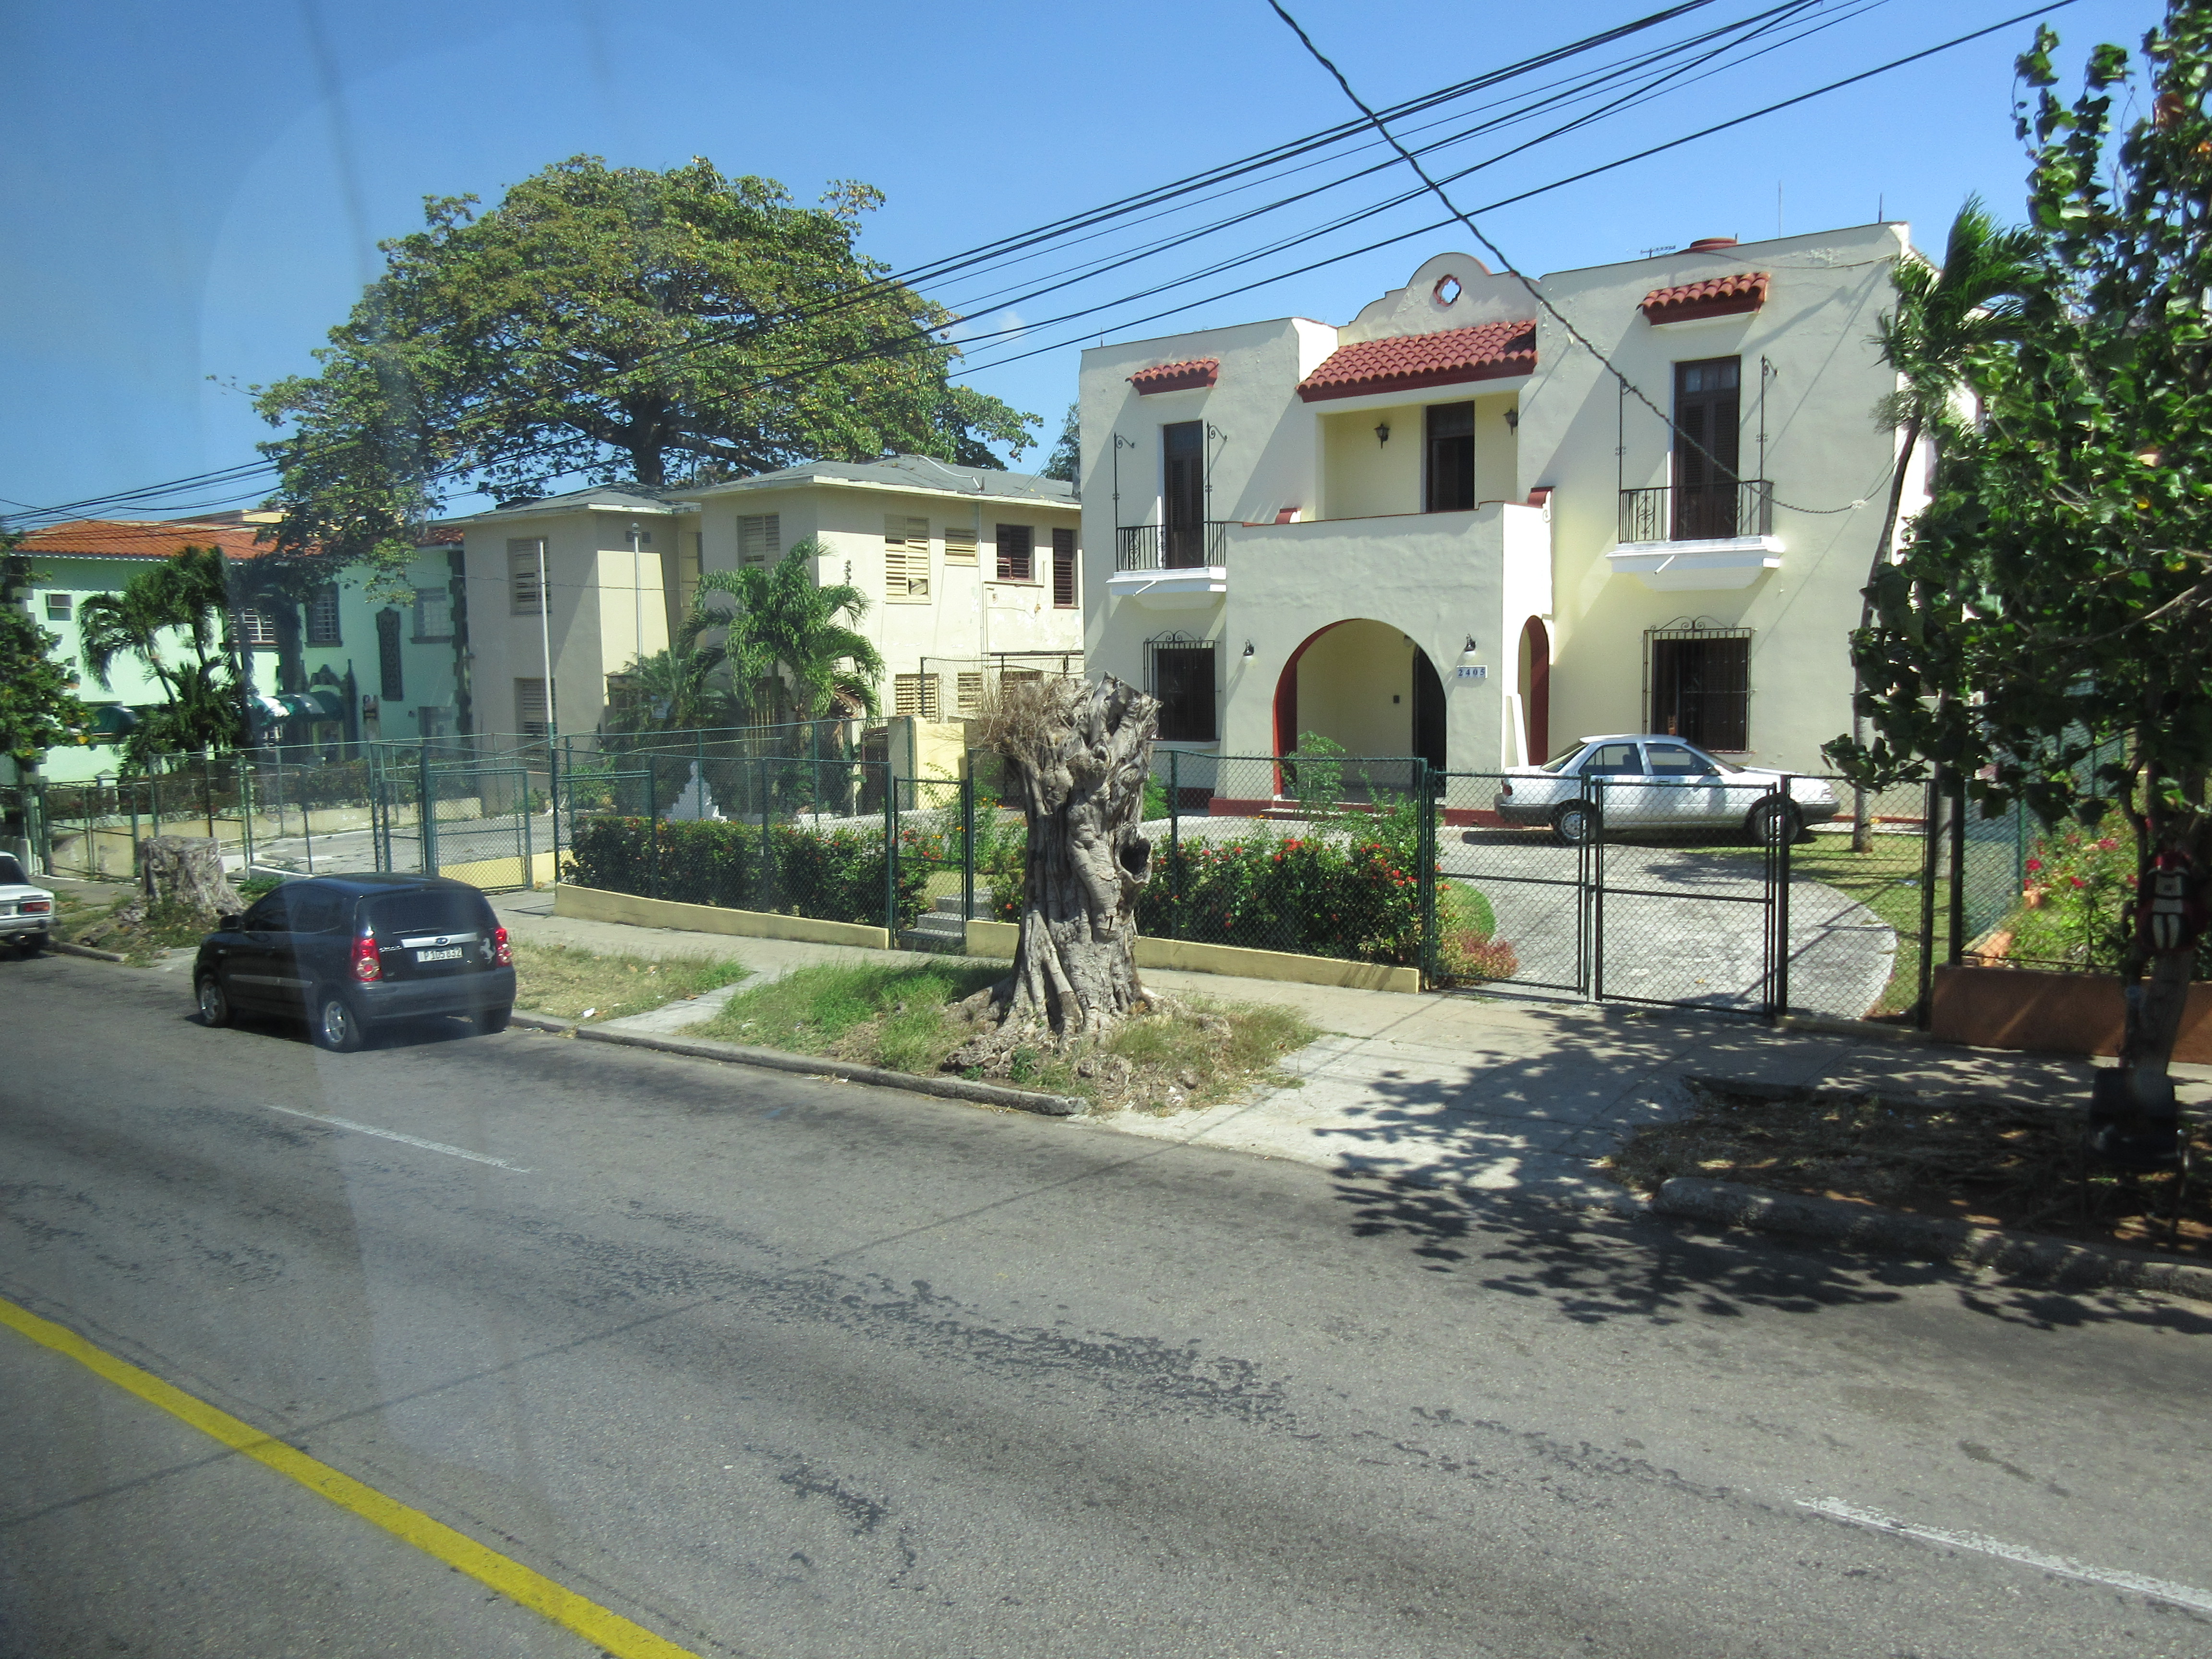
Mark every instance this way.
x=1450 y=458
x=524 y=557
x=1708 y=423
x=1063 y=570
x=1182 y=494
x=968 y=692
x=1671 y=759
x=1701 y=686
x=319 y=910
x=1014 y=561
x=1613 y=760
x=323 y=616
x=690 y=561
x=760 y=538
x=1182 y=680
x=530 y=718
x=257 y=629
x=59 y=607
x=391 y=667
x=915 y=695
x=959 y=545
x=906 y=559
x=433 y=614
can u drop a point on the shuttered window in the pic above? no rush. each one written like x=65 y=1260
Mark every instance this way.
x=906 y=559
x=760 y=538
x=959 y=545
x=391 y=666
x=530 y=716
x=1063 y=570
x=257 y=629
x=915 y=695
x=1015 y=561
x=691 y=555
x=323 y=616
x=523 y=556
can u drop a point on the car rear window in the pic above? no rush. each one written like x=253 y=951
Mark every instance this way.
x=434 y=912
x=11 y=873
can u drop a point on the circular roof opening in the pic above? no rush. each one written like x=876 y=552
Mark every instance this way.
x=1446 y=289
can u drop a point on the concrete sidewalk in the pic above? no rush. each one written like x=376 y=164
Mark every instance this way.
x=1493 y=1092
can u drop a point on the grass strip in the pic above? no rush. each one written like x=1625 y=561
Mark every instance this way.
x=903 y=1019
x=571 y=983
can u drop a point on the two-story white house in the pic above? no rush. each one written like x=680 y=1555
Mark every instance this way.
x=1446 y=528
x=967 y=573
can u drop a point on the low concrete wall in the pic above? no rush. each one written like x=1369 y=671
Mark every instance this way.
x=494 y=875
x=999 y=938
x=593 y=904
x=2053 y=1013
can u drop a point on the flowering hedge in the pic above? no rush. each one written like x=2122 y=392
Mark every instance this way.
x=1358 y=899
x=834 y=875
x=2078 y=899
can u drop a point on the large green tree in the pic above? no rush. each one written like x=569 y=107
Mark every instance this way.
x=39 y=705
x=184 y=601
x=615 y=324
x=2057 y=595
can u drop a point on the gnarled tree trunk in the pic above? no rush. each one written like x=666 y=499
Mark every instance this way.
x=185 y=871
x=1080 y=754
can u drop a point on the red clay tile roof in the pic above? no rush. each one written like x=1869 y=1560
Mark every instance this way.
x=1717 y=296
x=440 y=535
x=1178 y=377
x=138 y=538
x=1488 y=351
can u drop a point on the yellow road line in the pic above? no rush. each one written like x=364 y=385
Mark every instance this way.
x=608 y=1630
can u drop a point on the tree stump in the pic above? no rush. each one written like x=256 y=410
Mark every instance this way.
x=1079 y=755
x=185 y=872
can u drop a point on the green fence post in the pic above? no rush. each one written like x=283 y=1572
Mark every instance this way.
x=307 y=824
x=1782 y=853
x=154 y=798
x=1956 y=953
x=1174 y=843
x=1424 y=850
x=768 y=895
x=652 y=835
x=890 y=848
x=1930 y=842
x=967 y=849
x=245 y=773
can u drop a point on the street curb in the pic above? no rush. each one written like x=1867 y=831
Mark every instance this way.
x=70 y=947
x=775 y=1060
x=1879 y=1030
x=1890 y=1233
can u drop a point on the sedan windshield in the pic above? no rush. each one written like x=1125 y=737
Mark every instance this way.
x=1559 y=761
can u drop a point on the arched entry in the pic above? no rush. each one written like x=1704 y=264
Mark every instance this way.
x=1366 y=685
x=1535 y=684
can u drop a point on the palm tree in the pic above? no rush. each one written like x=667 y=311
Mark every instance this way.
x=787 y=649
x=185 y=595
x=1946 y=322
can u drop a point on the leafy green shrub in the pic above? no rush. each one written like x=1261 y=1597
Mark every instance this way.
x=834 y=875
x=1356 y=898
x=2077 y=903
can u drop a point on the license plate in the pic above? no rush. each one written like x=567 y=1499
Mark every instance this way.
x=452 y=953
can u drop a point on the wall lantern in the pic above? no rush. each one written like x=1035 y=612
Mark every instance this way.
x=1513 y=418
x=1381 y=433
x=1466 y=657
x=1247 y=648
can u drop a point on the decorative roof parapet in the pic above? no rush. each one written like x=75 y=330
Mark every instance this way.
x=1717 y=296
x=1487 y=351
x=1178 y=377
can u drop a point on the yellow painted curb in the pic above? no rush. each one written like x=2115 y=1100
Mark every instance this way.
x=608 y=1630
x=999 y=938
x=596 y=904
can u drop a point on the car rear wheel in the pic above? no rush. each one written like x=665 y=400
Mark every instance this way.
x=1572 y=823
x=215 y=1002
x=1773 y=822
x=337 y=1028
x=490 y=1022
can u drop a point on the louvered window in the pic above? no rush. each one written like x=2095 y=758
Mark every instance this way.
x=905 y=558
x=257 y=629
x=524 y=556
x=968 y=687
x=760 y=538
x=530 y=716
x=915 y=695
x=1063 y=570
x=1015 y=563
x=323 y=616
x=959 y=545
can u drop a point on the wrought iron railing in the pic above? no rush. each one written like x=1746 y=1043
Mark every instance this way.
x=1682 y=513
x=1172 y=547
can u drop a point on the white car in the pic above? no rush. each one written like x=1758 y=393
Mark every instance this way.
x=27 y=913
x=1642 y=781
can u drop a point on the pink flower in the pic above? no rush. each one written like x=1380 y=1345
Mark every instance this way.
x=2107 y=845
x=2035 y=864
x=2077 y=881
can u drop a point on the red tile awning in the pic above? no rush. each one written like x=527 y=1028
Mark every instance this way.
x=1488 y=351
x=1717 y=296
x=1178 y=377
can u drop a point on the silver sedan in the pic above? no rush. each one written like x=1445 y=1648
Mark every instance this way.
x=1644 y=780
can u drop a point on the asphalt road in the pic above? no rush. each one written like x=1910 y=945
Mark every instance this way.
x=781 y=1367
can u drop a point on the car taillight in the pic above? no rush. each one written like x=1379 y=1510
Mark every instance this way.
x=502 y=953
x=35 y=907
x=1505 y=789
x=367 y=964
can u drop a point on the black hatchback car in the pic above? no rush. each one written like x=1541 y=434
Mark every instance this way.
x=349 y=953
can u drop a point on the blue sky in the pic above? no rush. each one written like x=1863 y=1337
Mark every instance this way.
x=191 y=197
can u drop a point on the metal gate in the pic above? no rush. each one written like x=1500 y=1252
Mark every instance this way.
x=473 y=822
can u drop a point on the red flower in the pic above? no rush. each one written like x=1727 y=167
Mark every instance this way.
x=2106 y=845
x=2077 y=881
x=2035 y=864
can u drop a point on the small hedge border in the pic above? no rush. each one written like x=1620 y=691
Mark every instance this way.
x=834 y=875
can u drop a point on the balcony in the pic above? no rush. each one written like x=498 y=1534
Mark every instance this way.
x=1171 y=566
x=1675 y=538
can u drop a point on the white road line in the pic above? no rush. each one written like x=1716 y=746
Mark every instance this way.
x=411 y=1140
x=2180 y=1594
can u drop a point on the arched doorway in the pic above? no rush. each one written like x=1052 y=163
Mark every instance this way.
x=1535 y=684
x=1364 y=686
